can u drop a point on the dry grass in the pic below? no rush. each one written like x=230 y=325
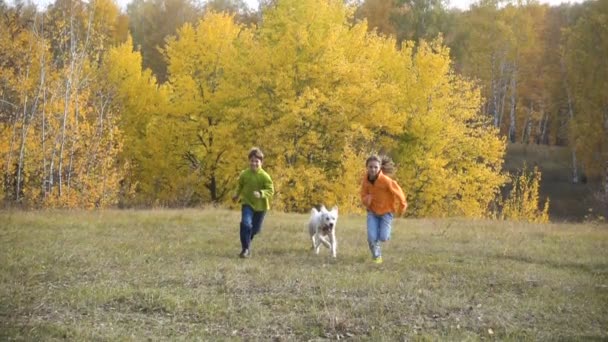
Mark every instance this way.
x=175 y=275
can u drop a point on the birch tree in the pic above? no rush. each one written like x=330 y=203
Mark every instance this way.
x=586 y=48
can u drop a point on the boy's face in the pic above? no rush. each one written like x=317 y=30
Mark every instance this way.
x=255 y=164
x=373 y=167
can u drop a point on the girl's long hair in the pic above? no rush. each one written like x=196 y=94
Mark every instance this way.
x=386 y=163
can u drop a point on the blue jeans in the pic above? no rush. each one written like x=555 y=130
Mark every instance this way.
x=378 y=230
x=251 y=224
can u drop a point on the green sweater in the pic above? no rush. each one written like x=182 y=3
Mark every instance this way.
x=249 y=182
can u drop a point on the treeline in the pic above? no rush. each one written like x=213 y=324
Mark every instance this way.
x=542 y=70
x=159 y=105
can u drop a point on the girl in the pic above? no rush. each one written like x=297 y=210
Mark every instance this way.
x=255 y=188
x=382 y=197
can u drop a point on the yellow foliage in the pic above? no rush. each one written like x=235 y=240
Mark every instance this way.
x=523 y=202
x=141 y=103
x=206 y=108
x=316 y=92
x=586 y=48
x=450 y=158
x=63 y=139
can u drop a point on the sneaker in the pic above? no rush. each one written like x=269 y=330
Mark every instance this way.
x=245 y=253
x=377 y=260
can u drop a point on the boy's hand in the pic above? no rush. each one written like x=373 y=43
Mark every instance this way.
x=257 y=194
x=235 y=198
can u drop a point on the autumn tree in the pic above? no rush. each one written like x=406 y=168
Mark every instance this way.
x=586 y=48
x=207 y=101
x=379 y=15
x=317 y=86
x=407 y=19
x=23 y=64
x=151 y=22
x=331 y=93
x=502 y=47
x=238 y=8
x=451 y=155
x=61 y=142
x=142 y=104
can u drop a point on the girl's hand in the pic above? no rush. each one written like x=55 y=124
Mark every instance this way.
x=257 y=194
x=368 y=200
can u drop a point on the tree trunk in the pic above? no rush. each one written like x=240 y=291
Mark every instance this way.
x=525 y=134
x=575 y=175
x=21 y=149
x=606 y=190
x=24 y=131
x=8 y=175
x=494 y=84
x=606 y=167
x=66 y=109
x=512 y=129
x=503 y=100
x=72 y=150
x=45 y=184
x=542 y=127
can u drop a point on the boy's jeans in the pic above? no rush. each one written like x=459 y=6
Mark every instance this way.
x=251 y=224
x=378 y=229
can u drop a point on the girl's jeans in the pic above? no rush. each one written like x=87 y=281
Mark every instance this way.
x=251 y=224
x=378 y=229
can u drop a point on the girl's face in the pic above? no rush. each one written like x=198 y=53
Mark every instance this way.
x=255 y=164
x=373 y=167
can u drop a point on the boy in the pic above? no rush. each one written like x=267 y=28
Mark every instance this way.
x=255 y=188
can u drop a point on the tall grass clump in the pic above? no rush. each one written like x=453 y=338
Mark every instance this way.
x=523 y=201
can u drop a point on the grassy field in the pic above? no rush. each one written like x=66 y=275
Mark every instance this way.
x=175 y=275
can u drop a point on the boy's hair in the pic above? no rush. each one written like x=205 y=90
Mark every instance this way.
x=256 y=152
x=386 y=163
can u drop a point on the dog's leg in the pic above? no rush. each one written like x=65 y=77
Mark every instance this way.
x=324 y=241
x=334 y=243
x=317 y=245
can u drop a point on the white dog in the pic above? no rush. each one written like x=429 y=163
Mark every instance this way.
x=322 y=229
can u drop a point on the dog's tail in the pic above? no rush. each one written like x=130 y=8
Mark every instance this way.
x=311 y=223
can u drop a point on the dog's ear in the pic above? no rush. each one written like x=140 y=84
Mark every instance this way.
x=334 y=209
x=314 y=211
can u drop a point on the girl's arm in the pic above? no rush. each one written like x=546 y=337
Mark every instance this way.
x=399 y=197
x=366 y=198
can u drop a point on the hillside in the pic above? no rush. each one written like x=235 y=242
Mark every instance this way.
x=569 y=201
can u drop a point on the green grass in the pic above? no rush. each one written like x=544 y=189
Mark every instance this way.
x=175 y=275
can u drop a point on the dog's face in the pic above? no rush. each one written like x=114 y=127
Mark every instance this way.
x=328 y=219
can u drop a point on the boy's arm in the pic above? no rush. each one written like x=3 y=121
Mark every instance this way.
x=239 y=187
x=268 y=188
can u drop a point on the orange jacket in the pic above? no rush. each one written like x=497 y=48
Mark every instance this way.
x=384 y=196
